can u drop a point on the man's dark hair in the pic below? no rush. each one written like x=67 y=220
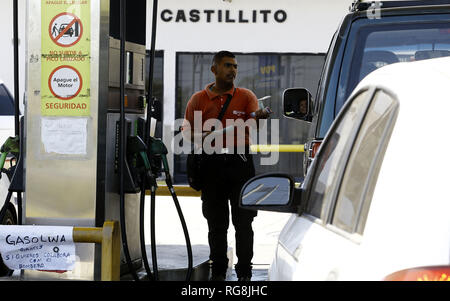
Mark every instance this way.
x=220 y=55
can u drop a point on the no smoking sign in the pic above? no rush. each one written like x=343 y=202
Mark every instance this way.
x=65 y=29
x=65 y=82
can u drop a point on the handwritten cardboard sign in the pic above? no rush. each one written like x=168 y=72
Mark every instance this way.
x=37 y=247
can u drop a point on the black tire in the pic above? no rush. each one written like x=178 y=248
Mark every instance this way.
x=9 y=219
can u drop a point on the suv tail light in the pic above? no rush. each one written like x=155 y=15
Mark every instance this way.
x=437 y=273
x=311 y=149
x=314 y=148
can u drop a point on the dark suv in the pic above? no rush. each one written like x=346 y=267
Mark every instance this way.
x=372 y=35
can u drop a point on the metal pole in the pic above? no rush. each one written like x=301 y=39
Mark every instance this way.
x=16 y=66
x=109 y=237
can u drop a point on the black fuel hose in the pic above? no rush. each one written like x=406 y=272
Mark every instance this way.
x=182 y=220
x=122 y=140
x=153 y=234
x=142 y=233
x=147 y=138
x=153 y=227
x=124 y=239
x=19 y=208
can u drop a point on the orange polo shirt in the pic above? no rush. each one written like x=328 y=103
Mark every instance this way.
x=243 y=103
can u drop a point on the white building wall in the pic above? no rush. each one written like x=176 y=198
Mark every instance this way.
x=308 y=27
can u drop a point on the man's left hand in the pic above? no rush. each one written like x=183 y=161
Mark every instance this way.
x=263 y=113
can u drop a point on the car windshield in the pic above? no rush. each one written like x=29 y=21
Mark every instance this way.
x=381 y=45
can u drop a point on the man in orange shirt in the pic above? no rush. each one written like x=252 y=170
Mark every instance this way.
x=226 y=170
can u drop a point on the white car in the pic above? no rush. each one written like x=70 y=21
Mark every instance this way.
x=375 y=204
x=6 y=130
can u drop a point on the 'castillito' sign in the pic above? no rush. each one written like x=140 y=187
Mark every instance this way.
x=223 y=16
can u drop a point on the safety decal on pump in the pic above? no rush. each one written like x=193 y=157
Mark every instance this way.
x=65 y=29
x=65 y=58
x=65 y=82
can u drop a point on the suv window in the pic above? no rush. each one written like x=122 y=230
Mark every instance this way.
x=373 y=43
x=381 y=45
x=6 y=102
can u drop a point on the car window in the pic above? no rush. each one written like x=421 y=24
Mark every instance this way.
x=6 y=102
x=328 y=165
x=362 y=169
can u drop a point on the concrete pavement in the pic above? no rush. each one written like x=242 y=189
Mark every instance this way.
x=170 y=237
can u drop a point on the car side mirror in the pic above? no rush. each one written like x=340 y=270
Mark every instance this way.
x=271 y=192
x=297 y=103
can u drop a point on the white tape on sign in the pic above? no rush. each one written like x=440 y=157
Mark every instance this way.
x=37 y=247
x=64 y=135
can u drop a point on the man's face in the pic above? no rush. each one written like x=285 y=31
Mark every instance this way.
x=226 y=70
x=303 y=106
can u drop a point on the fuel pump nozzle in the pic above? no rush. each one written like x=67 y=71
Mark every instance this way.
x=158 y=149
x=136 y=146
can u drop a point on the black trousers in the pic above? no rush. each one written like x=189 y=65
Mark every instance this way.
x=223 y=178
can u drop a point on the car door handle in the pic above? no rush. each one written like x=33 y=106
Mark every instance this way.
x=297 y=252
